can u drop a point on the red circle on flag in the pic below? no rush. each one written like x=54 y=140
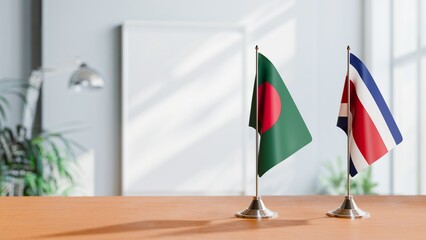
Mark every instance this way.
x=269 y=106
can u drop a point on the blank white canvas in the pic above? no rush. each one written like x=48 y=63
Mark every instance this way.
x=182 y=109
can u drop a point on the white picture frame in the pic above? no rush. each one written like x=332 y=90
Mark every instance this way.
x=184 y=115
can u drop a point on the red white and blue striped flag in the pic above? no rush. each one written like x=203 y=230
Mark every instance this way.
x=374 y=131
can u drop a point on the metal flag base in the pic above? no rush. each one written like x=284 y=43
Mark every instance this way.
x=349 y=209
x=257 y=209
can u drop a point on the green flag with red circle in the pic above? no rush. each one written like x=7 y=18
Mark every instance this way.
x=281 y=127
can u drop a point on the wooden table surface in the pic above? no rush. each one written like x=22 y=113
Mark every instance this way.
x=300 y=217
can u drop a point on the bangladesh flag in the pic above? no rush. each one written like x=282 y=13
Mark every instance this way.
x=281 y=127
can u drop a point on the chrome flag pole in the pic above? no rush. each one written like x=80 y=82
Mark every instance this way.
x=257 y=208
x=348 y=209
x=257 y=121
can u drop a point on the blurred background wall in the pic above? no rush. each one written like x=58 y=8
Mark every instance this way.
x=15 y=46
x=305 y=39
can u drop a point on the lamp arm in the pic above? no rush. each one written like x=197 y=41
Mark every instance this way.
x=31 y=99
x=56 y=70
x=33 y=93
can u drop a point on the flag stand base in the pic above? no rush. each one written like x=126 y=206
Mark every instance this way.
x=348 y=209
x=257 y=209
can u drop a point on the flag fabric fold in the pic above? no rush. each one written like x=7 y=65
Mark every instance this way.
x=281 y=127
x=373 y=130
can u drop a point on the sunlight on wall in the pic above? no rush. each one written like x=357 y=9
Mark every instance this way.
x=405 y=33
x=188 y=100
x=405 y=112
x=305 y=39
x=266 y=13
x=197 y=99
x=209 y=49
x=185 y=138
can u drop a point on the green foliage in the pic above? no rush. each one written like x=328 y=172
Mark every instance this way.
x=334 y=180
x=43 y=164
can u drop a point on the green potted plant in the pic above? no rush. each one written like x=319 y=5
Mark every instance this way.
x=41 y=164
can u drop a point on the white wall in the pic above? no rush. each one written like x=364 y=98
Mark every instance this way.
x=340 y=23
x=15 y=48
x=306 y=40
x=378 y=58
x=394 y=51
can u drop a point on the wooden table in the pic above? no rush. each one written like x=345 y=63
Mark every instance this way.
x=301 y=217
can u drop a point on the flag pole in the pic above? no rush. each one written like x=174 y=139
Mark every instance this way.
x=348 y=209
x=257 y=208
x=257 y=121
x=349 y=128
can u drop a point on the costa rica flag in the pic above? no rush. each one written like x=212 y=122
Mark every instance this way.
x=373 y=129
